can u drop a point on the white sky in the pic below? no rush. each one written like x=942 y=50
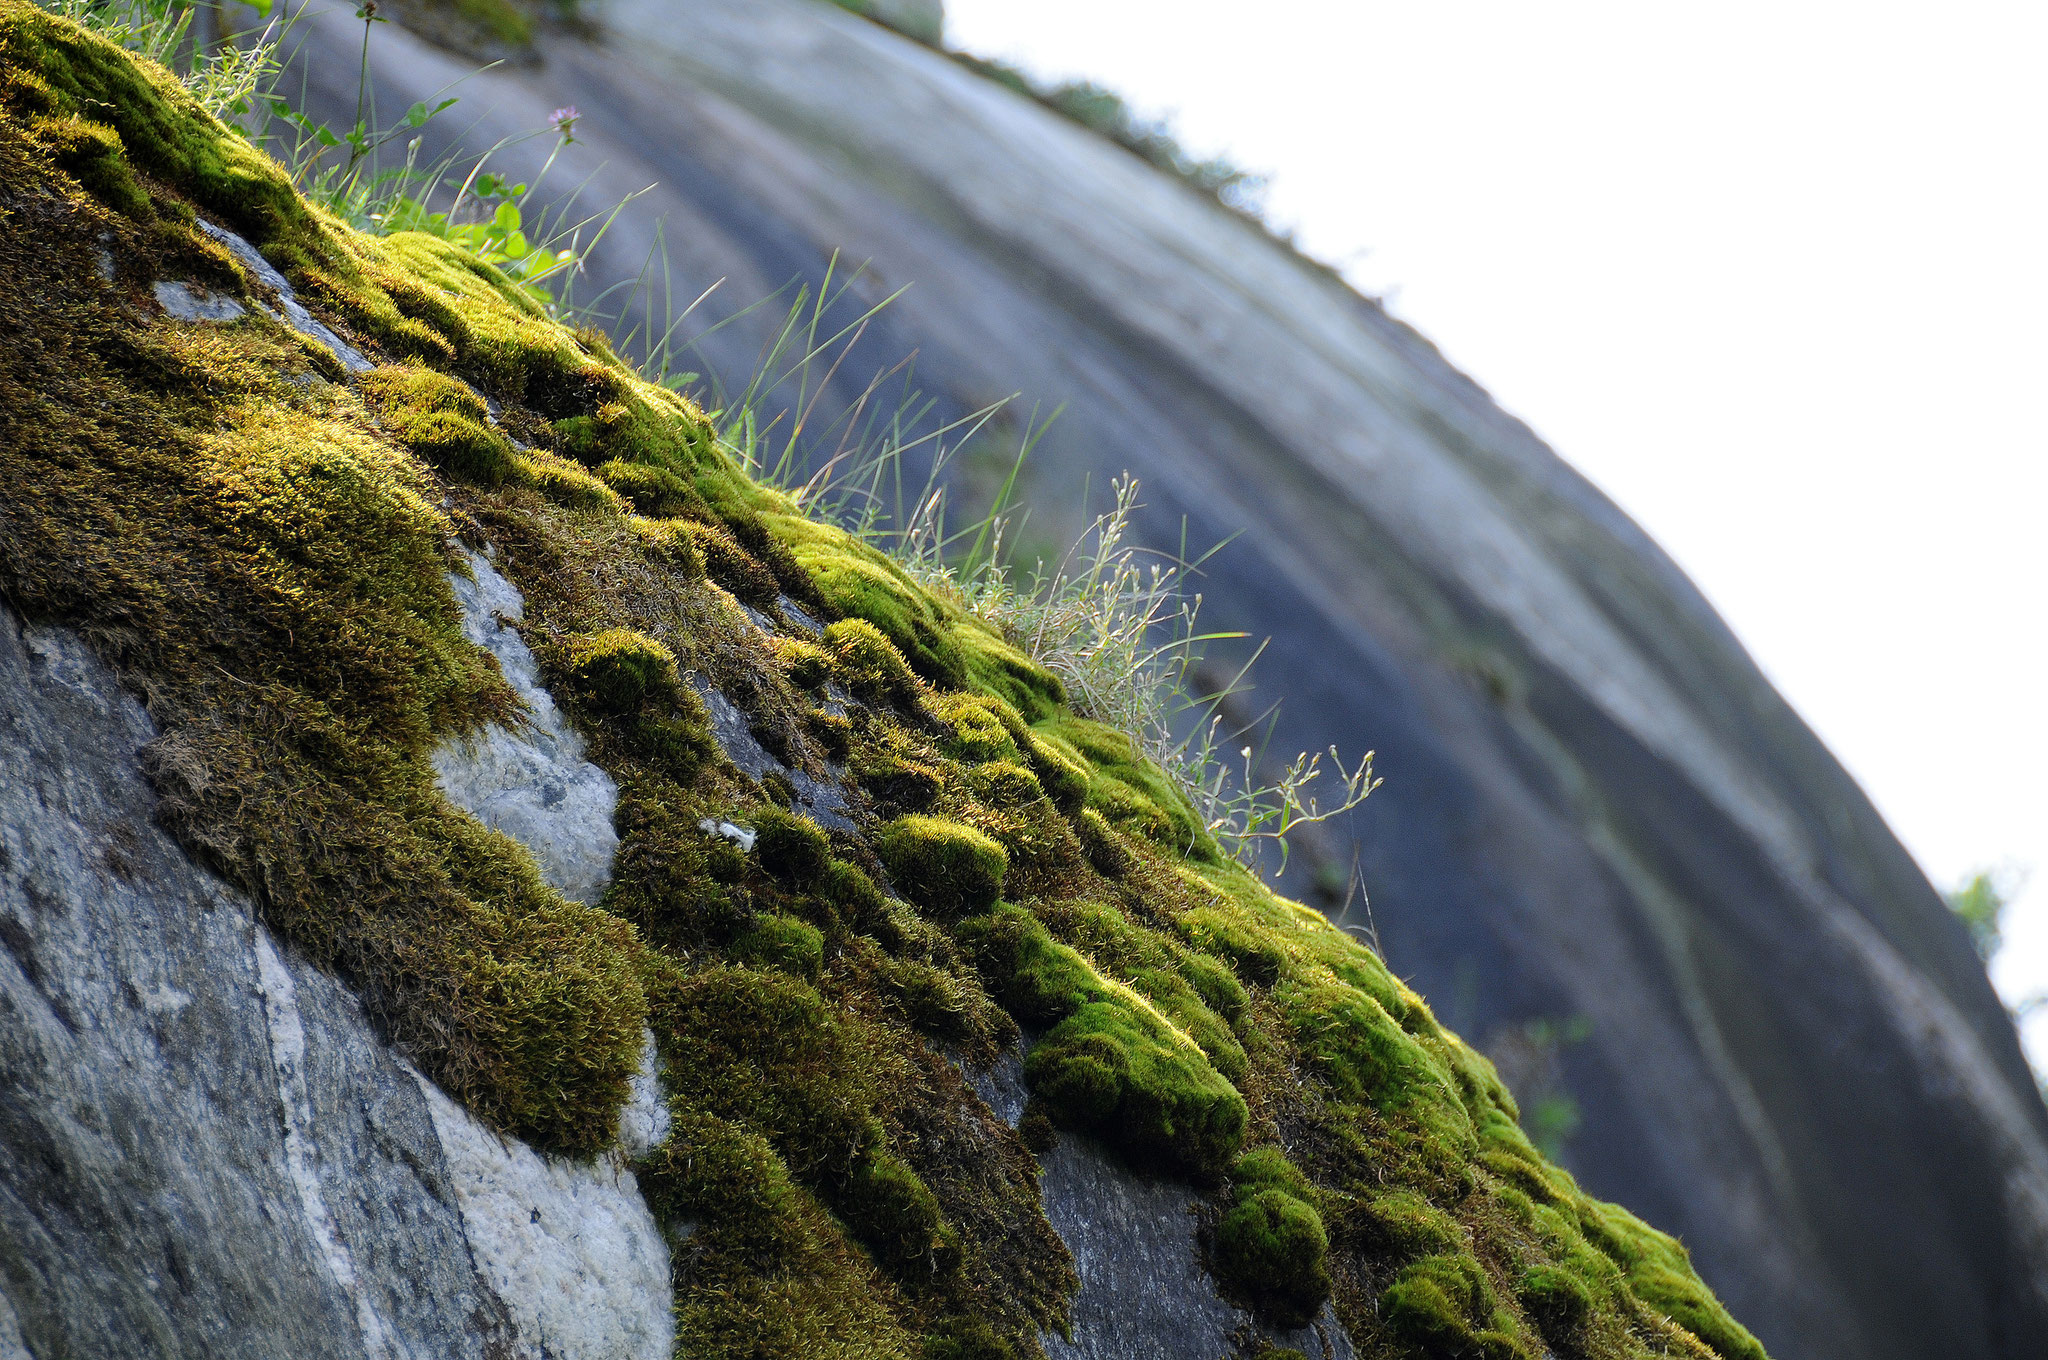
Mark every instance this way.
x=1772 y=275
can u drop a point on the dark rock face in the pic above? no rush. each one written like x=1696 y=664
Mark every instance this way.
x=1596 y=806
x=1145 y=1290
x=207 y=1150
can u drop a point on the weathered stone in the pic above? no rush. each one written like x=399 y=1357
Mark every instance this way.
x=533 y=784
x=210 y=1153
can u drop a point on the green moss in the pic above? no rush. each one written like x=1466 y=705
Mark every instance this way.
x=948 y=869
x=771 y=1273
x=968 y=1340
x=795 y=947
x=1445 y=1306
x=807 y=665
x=791 y=848
x=975 y=732
x=1659 y=1272
x=1406 y=1225
x=1100 y=844
x=1556 y=1299
x=440 y=419
x=668 y=544
x=1111 y=1064
x=1005 y=785
x=562 y=482
x=1272 y=1247
x=1249 y=950
x=1132 y=793
x=618 y=671
x=900 y=1217
x=499 y=20
x=727 y=563
x=92 y=154
x=654 y=491
x=871 y=664
x=1117 y=1069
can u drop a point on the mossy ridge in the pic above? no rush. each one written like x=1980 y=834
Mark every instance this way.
x=340 y=629
x=796 y=1003
x=271 y=575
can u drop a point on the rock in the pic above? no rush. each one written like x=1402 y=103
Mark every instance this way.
x=194 y=302
x=210 y=1153
x=533 y=784
x=1144 y=1289
x=819 y=800
x=295 y=313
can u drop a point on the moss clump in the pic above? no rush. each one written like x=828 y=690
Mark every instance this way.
x=871 y=664
x=442 y=420
x=791 y=848
x=1111 y=1064
x=1131 y=793
x=795 y=947
x=948 y=869
x=1446 y=1305
x=618 y=671
x=668 y=544
x=1409 y=1225
x=807 y=665
x=1271 y=1246
x=975 y=732
x=727 y=563
x=654 y=491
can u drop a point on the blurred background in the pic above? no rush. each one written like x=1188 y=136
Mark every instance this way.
x=1620 y=419
x=1768 y=275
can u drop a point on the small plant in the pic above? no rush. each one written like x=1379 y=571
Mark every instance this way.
x=225 y=77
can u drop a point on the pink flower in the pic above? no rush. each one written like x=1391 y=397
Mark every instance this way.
x=563 y=120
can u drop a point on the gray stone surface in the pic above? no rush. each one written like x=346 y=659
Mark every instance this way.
x=533 y=784
x=1144 y=1292
x=820 y=800
x=205 y=1151
x=295 y=314
x=195 y=302
x=1596 y=806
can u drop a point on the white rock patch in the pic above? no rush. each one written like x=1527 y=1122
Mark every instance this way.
x=301 y=1134
x=644 y=1123
x=534 y=785
x=570 y=1247
x=195 y=302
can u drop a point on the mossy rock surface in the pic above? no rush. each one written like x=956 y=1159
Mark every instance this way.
x=263 y=546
